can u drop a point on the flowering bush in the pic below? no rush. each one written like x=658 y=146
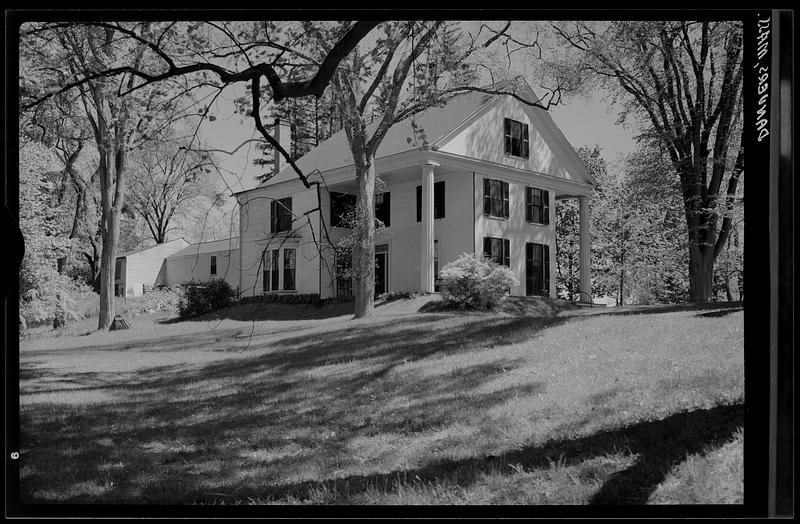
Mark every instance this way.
x=475 y=282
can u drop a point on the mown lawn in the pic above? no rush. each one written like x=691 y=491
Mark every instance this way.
x=402 y=408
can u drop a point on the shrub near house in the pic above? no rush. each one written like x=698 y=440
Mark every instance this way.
x=473 y=281
x=199 y=298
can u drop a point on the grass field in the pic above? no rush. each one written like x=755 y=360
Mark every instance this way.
x=402 y=408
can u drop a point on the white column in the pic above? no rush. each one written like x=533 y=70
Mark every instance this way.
x=585 y=252
x=426 y=235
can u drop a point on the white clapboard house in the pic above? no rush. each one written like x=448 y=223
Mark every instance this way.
x=480 y=174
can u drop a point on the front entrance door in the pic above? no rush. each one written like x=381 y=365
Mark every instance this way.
x=381 y=269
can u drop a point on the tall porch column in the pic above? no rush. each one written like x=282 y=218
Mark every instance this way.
x=585 y=252
x=426 y=253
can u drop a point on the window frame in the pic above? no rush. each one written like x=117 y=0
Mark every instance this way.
x=213 y=268
x=280 y=213
x=523 y=140
x=491 y=201
x=530 y=267
x=543 y=206
x=505 y=250
x=290 y=270
x=270 y=275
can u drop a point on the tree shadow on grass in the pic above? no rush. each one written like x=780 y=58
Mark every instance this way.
x=660 y=445
x=720 y=313
x=656 y=308
x=304 y=406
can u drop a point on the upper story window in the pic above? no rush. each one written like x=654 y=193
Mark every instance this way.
x=213 y=265
x=341 y=204
x=281 y=215
x=382 y=208
x=438 y=201
x=537 y=205
x=495 y=198
x=516 y=135
x=118 y=269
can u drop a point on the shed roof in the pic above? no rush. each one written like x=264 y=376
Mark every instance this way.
x=212 y=246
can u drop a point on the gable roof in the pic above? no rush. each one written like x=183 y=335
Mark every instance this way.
x=430 y=129
x=212 y=246
x=434 y=124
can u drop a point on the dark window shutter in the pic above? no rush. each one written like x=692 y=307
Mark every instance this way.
x=487 y=247
x=264 y=270
x=525 y=140
x=529 y=204
x=506 y=253
x=546 y=270
x=438 y=200
x=382 y=210
x=529 y=268
x=275 y=266
x=505 y=199
x=419 y=203
x=545 y=207
x=273 y=215
x=487 y=196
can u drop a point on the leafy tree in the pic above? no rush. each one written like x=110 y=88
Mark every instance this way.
x=78 y=58
x=43 y=290
x=568 y=228
x=165 y=179
x=685 y=80
x=279 y=61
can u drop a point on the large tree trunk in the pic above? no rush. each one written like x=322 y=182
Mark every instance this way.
x=364 y=252
x=113 y=191
x=701 y=273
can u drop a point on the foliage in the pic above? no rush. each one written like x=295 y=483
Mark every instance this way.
x=391 y=296
x=474 y=282
x=345 y=246
x=44 y=293
x=568 y=229
x=684 y=79
x=163 y=299
x=167 y=179
x=199 y=298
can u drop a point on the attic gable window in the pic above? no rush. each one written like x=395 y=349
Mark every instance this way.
x=516 y=135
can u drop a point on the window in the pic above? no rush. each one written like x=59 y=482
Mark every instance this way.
x=341 y=203
x=495 y=198
x=382 y=206
x=281 y=215
x=537 y=269
x=498 y=250
x=213 y=265
x=516 y=135
x=344 y=287
x=118 y=270
x=438 y=201
x=537 y=205
x=289 y=261
x=270 y=264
